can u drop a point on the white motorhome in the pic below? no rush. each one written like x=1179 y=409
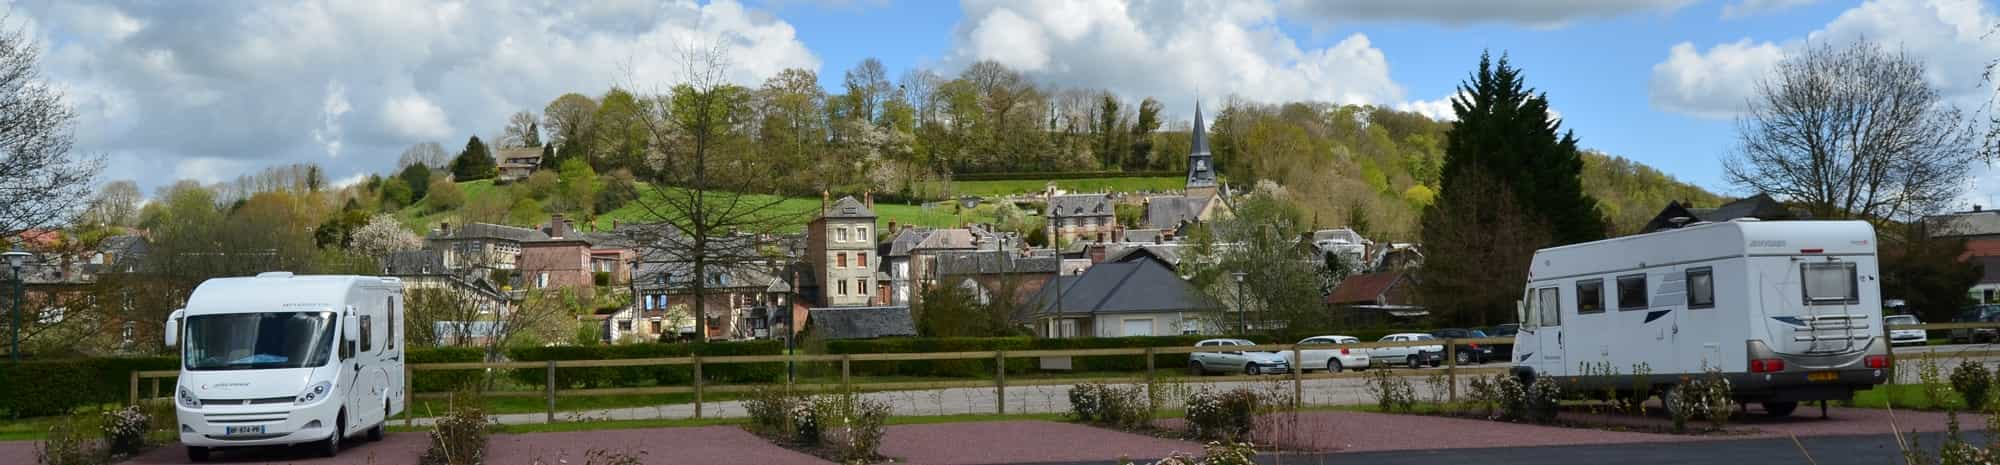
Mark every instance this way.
x=280 y=359
x=1788 y=311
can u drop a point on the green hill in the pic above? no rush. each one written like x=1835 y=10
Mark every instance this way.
x=424 y=216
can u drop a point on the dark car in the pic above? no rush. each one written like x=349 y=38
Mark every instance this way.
x=1976 y=314
x=1468 y=353
x=1503 y=351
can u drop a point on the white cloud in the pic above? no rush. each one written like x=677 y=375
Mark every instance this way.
x=1950 y=36
x=182 y=87
x=1747 y=8
x=415 y=117
x=1537 y=13
x=1715 y=84
x=1169 y=50
x=1439 y=109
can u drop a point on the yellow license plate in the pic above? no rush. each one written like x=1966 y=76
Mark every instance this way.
x=1822 y=376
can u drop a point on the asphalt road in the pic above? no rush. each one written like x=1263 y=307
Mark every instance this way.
x=1824 y=450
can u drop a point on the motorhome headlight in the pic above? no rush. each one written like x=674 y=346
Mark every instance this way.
x=187 y=398
x=314 y=393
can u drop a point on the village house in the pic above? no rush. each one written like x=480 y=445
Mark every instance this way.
x=1081 y=217
x=481 y=245
x=517 y=163
x=1378 y=297
x=1980 y=228
x=1121 y=299
x=1202 y=198
x=742 y=302
x=840 y=244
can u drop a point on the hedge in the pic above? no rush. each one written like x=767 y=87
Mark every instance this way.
x=662 y=375
x=57 y=387
x=444 y=380
x=968 y=368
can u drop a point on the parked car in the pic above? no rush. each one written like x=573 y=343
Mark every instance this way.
x=1412 y=356
x=1324 y=354
x=1249 y=363
x=1468 y=353
x=1503 y=351
x=1976 y=314
x=1905 y=336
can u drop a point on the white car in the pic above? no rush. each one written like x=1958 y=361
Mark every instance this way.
x=1332 y=359
x=1899 y=337
x=1249 y=363
x=1413 y=356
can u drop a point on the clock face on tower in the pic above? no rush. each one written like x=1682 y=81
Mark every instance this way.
x=1201 y=165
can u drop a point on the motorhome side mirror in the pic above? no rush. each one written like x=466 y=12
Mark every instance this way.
x=1520 y=312
x=173 y=330
x=350 y=328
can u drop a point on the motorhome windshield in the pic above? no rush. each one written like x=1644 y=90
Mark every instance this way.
x=1831 y=283
x=247 y=341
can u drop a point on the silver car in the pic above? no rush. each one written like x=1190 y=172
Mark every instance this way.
x=1323 y=352
x=1249 y=363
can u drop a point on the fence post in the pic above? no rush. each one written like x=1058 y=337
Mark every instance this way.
x=1298 y=377
x=844 y=362
x=409 y=393
x=551 y=390
x=697 y=386
x=1890 y=352
x=135 y=388
x=156 y=390
x=1451 y=370
x=1149 y=373
x=1000 y=380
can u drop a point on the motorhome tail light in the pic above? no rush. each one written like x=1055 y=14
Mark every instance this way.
x=1767 y=365
x=1811 y=250
x=1878 y=361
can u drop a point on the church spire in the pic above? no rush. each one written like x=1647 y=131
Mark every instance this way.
x=1200 y=134
x=1201 y=166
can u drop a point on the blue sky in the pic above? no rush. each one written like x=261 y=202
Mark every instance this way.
x=212 y=90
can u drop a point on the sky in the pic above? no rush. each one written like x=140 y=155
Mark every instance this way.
x=213 y=90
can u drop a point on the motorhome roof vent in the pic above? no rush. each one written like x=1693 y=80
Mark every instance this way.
x=275 y=274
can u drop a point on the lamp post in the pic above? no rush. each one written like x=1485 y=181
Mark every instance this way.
x=14 y=260
x=1242 y=314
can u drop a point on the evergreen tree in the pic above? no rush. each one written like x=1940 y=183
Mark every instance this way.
x=1505 y=131
x=418 y=179
x=473 y=163
x=534 y=136
x=549 y=160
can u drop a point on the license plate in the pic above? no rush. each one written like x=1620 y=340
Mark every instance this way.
x=1822 y=376
x=242 y=430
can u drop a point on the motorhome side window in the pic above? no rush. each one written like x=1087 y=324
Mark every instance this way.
x=1590 y=296
x=367 y=333
x=1632 y=292
x=1830 y=283
x=1551 y=306
x=1701 y=288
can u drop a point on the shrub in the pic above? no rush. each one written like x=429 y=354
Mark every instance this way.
x=1512 y=396
x=25 y=392
x=772 y=412
x=984 y=367
x=1117 y=407
x=665 y=375
x=1930 y=376
x=445 y=380
x=857 y=436
x=125 y=430
x=1972 y=382
x=1484 y=394
x=1216 y=453
x=1705 y=397
x=69 y=443
x=1437 y=385
x=459 y=438
x=1230 y=416
x=1542 y=400
x=1391 y=392
x=600 y=278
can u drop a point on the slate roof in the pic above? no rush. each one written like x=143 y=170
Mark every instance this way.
x=494 y=231
x=993 y=262
x=1171 y=211
x=1363 y=288
x=1143 y=286
x=414 y=262
x=1758 y=206
x=946 y=239
x=1147 y=236
x=861 y=322
x=736 y=277
x=1165 y=254
x=1338 y=234
x=529 y=155
x=847 y=207
x=1080 y=205
x=1977 y=223
x=905 y=240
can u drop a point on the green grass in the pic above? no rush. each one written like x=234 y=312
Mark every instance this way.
x=1025 y=186
x=796 y=210
x=26 y=429
x=1909 y=396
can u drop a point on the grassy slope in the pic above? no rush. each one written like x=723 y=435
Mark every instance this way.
x=800 y=209
x=996 y=188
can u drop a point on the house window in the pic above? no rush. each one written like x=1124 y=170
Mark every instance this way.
x=843 y=288
x=1632 y=292
x=840 y=234
x=861 y=259
x=861 y=286
x=656 y=327
x=1590 y=296
x=625 y=325
x=840 y=260
x=861 y=233
x=1701 y=288
x=542 y=279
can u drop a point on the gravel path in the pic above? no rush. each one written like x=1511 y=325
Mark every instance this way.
x=1022 y=442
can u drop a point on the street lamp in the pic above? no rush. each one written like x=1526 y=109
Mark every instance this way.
x=14 y=259
x=1242 y=314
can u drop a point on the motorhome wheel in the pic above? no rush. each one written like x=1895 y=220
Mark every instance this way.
x=331 y=446
x=1780 y=409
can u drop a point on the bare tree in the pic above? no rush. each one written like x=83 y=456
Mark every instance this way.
x=701 y=215
x=40 y=179
x=568 y=118
x=117 y=204
x=1853 y=132
x=424 y=153
x=868 y=86
x=521 y=131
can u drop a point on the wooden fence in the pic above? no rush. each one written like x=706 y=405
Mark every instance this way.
x=999 y=383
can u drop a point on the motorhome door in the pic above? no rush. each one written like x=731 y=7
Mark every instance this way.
x=1541 y=326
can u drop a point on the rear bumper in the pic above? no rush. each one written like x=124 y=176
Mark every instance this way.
x=1794 y=386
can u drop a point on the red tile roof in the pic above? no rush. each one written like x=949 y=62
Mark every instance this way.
x=1364 y=288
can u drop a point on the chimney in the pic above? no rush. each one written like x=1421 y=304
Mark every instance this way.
x=614 y=224
x=444 y=229
x=825 y=201
x=1096 y=253
x=892 y=227
x=558 y=228
x=1117 y=233
x=868 y=199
